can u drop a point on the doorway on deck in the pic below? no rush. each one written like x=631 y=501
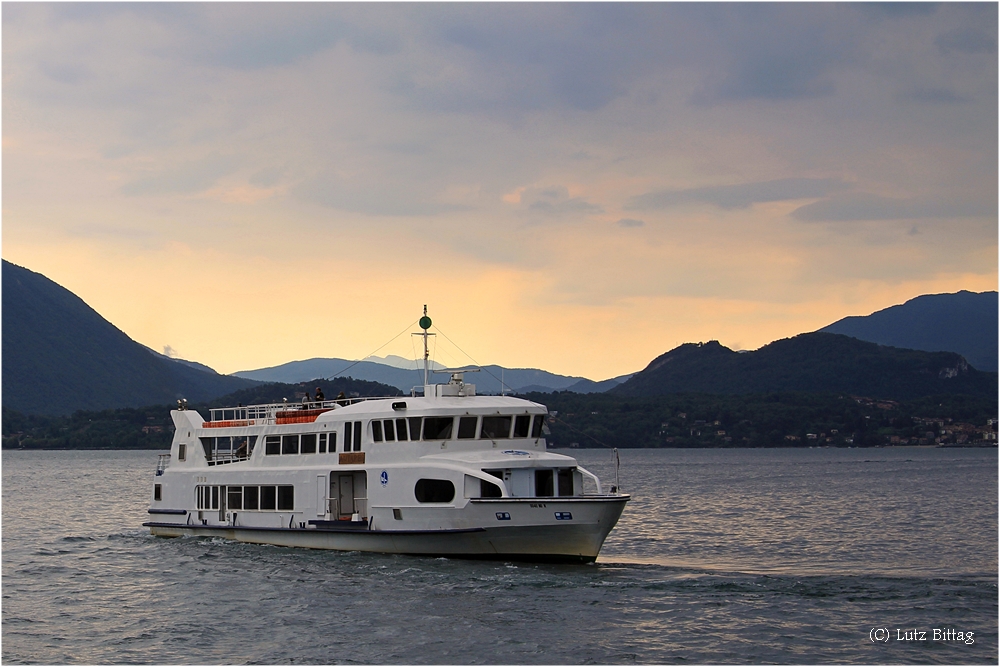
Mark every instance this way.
x=348 y=494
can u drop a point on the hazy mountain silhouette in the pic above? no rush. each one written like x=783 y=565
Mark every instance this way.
x=59 y=355
x=963 y=322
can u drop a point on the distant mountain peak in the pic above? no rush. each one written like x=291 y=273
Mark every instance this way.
x=815 y=362
x=963 y=322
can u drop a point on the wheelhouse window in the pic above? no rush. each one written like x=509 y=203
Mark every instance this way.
x=322 y=443
x=376 y=431
x=389 y=430
x=438 y=428
x=496 y=428
x=467 y=427
x=401 y=429
x=536 y=426
x=522 y=424
x=434 y=491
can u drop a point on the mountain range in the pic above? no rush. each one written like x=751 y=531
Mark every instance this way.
x=59 y=355
x=964 y=322
x=814 y=363
x=487 y=381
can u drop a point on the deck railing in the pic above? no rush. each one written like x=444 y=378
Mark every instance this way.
x=254 y=415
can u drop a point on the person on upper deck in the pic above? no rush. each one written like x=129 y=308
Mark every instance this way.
x=305 y=401
x=320 y=397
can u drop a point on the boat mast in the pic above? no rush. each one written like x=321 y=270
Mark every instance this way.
x=425 y=324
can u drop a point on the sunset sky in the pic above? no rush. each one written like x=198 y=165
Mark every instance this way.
x=574 y=187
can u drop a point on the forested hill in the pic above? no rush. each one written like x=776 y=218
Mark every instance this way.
x=964 y=322
x=813 y=362
x=59 y=355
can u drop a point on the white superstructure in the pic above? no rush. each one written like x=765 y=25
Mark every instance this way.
x=448 y=473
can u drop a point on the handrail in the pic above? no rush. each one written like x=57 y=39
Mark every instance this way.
x=268 y=411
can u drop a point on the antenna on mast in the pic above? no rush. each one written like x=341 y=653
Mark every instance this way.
x=425 y=324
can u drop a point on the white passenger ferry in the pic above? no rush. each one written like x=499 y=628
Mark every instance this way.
x=448 y=473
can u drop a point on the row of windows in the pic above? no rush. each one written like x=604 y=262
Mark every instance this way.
x=228 y=447
x=493 y=427
x=402 y=429
x=300 y=443
x=264 y=497
x=313 y=443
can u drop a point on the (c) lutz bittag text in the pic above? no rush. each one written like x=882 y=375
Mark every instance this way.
x=934 y=635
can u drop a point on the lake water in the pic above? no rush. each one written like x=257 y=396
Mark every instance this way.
x=722 y=556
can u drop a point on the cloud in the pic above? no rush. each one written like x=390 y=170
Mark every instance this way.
x=187 y=178
x=933 y=95
x=857 y=206
x=630 y=222
x=741 y=195
x=966 y=39
x=555 y=202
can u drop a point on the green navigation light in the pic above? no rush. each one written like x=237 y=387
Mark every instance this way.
x=425 y=323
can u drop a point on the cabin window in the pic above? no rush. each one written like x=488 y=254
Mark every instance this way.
x=401 y=429
x=390 y=431
x=251 y=497
x=348 y=428
x=434 y=490
x=536 y=426
x=333 y=442
x=182 y=451
x=521 y=426
x=376 y=431
x=357 y=437
x=286 y=497
x=565 y=481
x=234 y=499
x=157 y=492
x=272 y=445
x=322 y=443
x=290 y=444
x=268 y=497
x=207 y=497
x=308 y=444
x=438 y=428
x=496 y=428
x=543 y=483
x=414 y=423
x=467 y=427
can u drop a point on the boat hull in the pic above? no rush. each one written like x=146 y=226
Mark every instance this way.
x=568 y=542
